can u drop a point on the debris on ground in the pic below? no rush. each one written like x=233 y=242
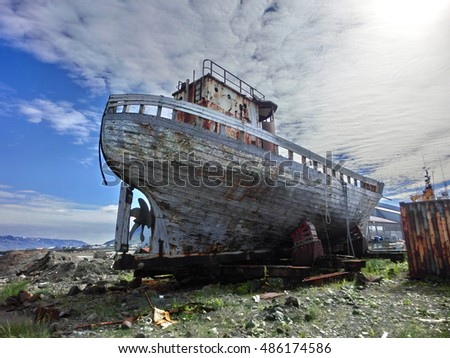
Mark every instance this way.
x=77 y=294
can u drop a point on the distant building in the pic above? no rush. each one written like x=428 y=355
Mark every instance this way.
x=384 y=231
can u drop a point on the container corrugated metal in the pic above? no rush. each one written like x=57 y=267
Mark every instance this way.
x=426 y=229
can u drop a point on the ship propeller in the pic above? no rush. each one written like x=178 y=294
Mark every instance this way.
x=143 y=217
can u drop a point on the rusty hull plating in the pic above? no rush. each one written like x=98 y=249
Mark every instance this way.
x=426 y=227
x=220 y=183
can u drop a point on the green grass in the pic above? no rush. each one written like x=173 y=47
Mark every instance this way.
x=385 y=268
x=215 y=303
x=341 y=283
x=414 y=330
x=12 y=289
x=20 y=328
x=24 y=329
x=106 y=309
x=126 y=275
x=312 y=313
x=115 y=333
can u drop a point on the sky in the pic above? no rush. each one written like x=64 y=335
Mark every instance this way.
x=367 y=80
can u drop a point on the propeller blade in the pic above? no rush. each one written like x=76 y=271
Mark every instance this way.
x=135 y=212
x=149 y=219
x=143 y=217
x=144 y=208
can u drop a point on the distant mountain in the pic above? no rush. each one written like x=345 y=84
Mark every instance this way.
x=9 y=242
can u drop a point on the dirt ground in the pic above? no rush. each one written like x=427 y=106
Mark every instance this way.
x=78 y=294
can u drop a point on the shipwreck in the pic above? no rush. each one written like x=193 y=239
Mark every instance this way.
x=221 y=187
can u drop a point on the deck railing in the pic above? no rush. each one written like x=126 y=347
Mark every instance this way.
x=161 y=106
x=220 y=73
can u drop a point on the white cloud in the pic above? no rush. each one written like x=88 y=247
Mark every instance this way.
x=30 y=213
x=351 y=76
x=62 y=117
x=121 y=45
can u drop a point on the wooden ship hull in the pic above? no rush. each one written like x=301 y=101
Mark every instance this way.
x=226 y=187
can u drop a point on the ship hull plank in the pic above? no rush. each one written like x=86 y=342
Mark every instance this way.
x=217 y=194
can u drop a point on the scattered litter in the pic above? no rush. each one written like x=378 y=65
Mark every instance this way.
x=267 y=296
x=159 y=316
x=271 y=295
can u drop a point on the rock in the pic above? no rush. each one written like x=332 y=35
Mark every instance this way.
x=100 y=254
x=122 y=282
x=12 y=301
x=94 y=290
x=126 y=324
x=376 y=279
x=58 y=334
x=292 y=301
x=360 y=279
x=327 y=311
x=135 y=283
x=275 y=314
x=42 y=285
x=46 y=314
x=65 y=313
x=250 y=324
x=24 y=296
x=92 y=317
x=74 y=290
x=55 y=327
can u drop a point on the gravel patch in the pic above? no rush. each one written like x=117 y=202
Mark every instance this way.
x=78 y=294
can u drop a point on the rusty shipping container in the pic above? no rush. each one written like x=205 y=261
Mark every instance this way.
x=426 y=228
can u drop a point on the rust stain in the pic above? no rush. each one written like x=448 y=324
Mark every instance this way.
x=426 y=228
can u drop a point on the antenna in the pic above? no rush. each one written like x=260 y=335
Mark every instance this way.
x=428 y=192
x=428 y=184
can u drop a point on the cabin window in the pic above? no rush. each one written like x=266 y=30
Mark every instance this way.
x=167 y=112
x=151 y=110
x=134 y=108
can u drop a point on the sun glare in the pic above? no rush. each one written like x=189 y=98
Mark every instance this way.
x=410 y=13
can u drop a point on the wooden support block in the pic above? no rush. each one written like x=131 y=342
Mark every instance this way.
x=123 y=218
